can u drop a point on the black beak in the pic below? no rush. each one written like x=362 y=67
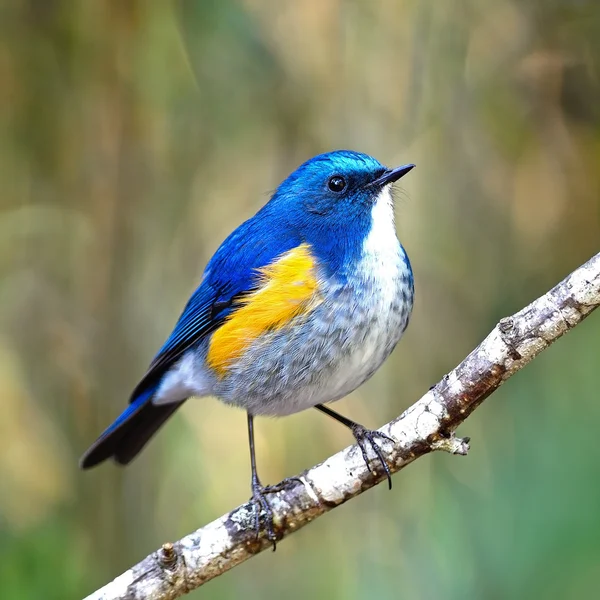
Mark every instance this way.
x=392 y=175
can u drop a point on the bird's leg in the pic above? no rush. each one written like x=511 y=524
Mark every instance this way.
x=362 y=435
x=259 y=492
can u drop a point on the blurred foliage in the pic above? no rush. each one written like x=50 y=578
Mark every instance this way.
x=136 y=135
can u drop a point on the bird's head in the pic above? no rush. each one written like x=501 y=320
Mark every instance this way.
x=335 y=199
x=341 y=182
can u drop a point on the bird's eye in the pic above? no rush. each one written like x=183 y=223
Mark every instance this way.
x=336 y=183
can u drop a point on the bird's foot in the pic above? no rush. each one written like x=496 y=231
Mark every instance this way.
x=264 y=510
x=282 y=485
x=261 y=505
x=362 y=435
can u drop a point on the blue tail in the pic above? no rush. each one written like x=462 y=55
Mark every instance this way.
x=130 y=432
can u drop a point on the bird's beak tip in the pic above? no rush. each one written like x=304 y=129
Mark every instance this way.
x=393 y=175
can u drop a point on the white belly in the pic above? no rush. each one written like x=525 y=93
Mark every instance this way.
x=383 y=296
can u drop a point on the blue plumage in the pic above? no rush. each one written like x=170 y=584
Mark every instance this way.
x=330 y=204
x=230 y=273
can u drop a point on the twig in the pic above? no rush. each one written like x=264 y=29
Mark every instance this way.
x=427 y=425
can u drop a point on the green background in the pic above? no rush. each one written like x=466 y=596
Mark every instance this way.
x=134 y=136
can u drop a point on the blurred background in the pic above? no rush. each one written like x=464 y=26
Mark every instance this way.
x=136 y=135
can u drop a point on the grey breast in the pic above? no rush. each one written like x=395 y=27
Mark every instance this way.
x=324 y=355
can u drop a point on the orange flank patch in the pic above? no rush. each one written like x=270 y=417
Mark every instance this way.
x=288 y=289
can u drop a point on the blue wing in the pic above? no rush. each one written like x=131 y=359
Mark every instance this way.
x=229 y=274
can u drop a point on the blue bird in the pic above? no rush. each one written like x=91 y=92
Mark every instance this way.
x=298 y=307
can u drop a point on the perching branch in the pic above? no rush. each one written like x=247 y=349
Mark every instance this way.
x=427 y=425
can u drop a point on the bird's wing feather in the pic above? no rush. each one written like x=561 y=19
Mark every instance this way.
x=232 y=273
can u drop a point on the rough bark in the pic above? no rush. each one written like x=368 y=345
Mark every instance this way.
x=427 y=425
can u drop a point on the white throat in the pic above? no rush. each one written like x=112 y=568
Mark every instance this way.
x=381 y=241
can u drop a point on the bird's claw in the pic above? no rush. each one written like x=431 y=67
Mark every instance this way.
x=282 y=485
x=261 y=506
x=362 y=435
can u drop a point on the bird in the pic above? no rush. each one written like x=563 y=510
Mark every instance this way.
x=297 y=308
